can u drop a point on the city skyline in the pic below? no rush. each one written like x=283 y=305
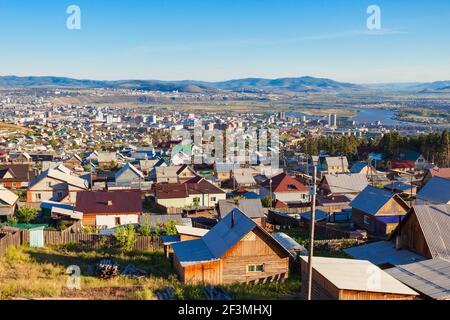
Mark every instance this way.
x=173 y=40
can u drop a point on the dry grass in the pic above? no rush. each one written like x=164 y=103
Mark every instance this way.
x=41 y=273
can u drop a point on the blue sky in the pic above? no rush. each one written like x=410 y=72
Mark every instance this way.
x=227 y=39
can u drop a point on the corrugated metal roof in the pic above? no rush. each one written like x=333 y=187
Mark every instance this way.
x=349 y=274
x=437 y=190
x=383 y=252
x=434 y=221
x=288 y=243
x=7 y=196
x=187 y=230
x=252 y=208
x=225 y=235
x=130 y=167
x=372 y=199
x=430 y=277
x=336 y=161
x=346 y=183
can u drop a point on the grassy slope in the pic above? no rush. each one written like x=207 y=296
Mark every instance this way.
x=40 y=273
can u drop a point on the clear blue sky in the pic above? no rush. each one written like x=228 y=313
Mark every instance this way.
x=225 y=39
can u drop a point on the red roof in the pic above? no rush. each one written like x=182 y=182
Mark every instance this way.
x=109 y=202
x=403 y=164
x=183 y=190
x=285 y=183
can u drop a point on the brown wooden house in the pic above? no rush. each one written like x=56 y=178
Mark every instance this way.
x=348 y=279
x=236 y=250
x=378 y=211
x=426 y=231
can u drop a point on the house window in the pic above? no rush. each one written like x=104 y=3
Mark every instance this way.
x=213 y=199
x=196 y=201
x=255 y=268
x=366 y=220
x=38 y=196
x=49 y=184
x=117 y=221
x=291 y=187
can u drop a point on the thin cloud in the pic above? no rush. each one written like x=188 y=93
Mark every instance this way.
x=158 y=48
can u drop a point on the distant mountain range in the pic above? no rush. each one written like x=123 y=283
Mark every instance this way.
x=292 y=85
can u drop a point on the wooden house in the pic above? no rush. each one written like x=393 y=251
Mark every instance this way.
x=285 y=188
x=236 y=250
x=16 y=176
x=129 y=175
x=426 y=231
x=348 y=279
x=378 y=211
x=343 y=184
x=198 y=193
x=107 y=210
x=55 y=185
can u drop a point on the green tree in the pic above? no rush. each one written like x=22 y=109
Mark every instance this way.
x=26 y=214
x=146 y=228
x=170 y=227
x=266 y=202
x=126 y=237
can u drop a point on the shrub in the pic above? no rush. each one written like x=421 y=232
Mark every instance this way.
x=146 y=228
x=126 y=237
x=26 y=215
x=266 y=202
x=170 y=227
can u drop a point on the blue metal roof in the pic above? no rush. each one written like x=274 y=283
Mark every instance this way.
x=437 y=190
x=398 y=185
x=371 y=200
x=357 y=167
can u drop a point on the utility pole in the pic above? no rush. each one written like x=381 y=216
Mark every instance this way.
x=311 y=236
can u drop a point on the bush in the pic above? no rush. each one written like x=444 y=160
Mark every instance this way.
x=26 y=215
x=126 y=237
x=146 y=228
x=266 y=202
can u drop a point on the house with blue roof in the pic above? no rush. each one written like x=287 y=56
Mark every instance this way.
x=236 y=250
x=378 y=211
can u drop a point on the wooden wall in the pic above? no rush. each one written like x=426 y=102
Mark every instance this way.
x=323 y=289
x=412 y=238
x=254 y=249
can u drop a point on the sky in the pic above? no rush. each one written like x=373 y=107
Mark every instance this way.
x=215 y=40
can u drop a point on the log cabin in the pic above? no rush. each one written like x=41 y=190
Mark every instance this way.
x=348 y=279
x=236 y=250
x=378 y=211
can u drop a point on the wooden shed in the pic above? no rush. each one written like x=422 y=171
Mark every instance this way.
x=426 y=231
x=236 y=250
x=348 y=279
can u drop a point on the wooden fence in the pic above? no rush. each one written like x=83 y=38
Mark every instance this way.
x=73 y=236
x=10 y=239
x=96 y=241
